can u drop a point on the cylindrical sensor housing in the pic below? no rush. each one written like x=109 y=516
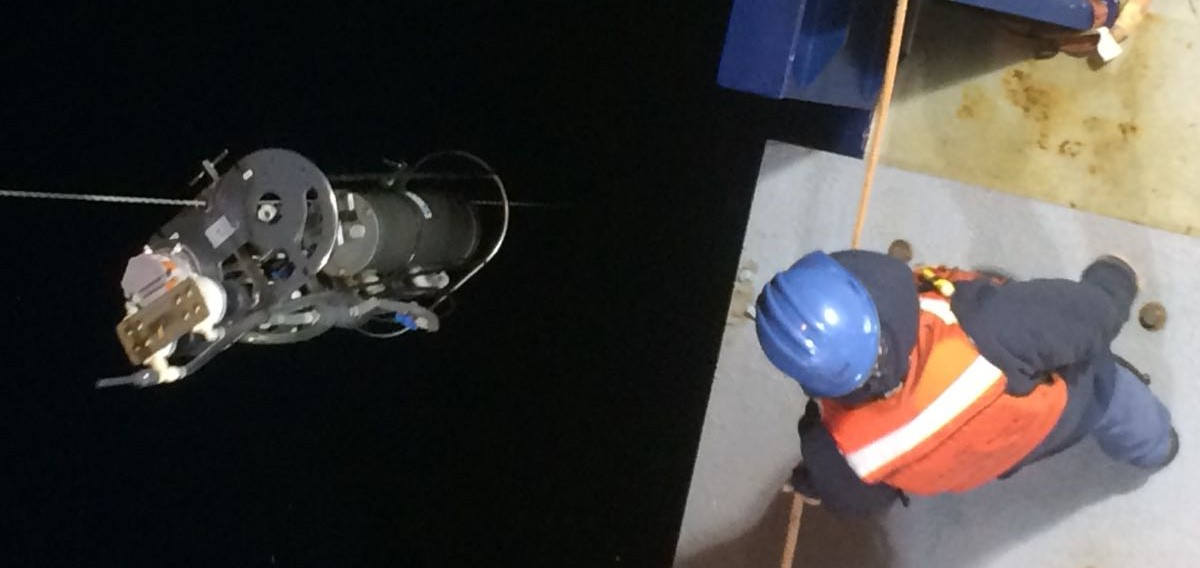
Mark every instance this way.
x=402 y=231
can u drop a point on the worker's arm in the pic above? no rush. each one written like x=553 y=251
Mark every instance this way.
x=1034 y=327
x=825 y=475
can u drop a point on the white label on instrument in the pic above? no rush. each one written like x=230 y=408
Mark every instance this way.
x=428 y=213
x=219 y=231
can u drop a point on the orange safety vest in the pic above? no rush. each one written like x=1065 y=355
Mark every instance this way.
x=950 y=427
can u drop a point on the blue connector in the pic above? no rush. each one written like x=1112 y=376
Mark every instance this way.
x=405 y=320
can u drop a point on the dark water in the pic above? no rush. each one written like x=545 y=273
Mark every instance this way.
x=553 y=421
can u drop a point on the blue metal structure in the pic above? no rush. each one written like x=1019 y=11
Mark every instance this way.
x=832 y=52
x=820 y=51
x=824 y=51
x=1074 y=14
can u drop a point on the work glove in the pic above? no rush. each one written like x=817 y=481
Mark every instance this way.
x=802 y=484
x=812 y=417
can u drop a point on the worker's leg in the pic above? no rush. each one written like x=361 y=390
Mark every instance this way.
x=1136 y=427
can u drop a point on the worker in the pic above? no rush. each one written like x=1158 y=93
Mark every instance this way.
x=943 y=380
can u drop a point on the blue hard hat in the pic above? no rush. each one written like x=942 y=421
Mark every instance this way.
x=818 y=324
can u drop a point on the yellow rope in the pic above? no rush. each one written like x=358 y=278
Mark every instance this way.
x=872 y=159
x=880 y=119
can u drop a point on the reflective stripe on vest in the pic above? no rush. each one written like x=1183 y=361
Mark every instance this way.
x=950 y=426
x=939 y=308
x=958 y=397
